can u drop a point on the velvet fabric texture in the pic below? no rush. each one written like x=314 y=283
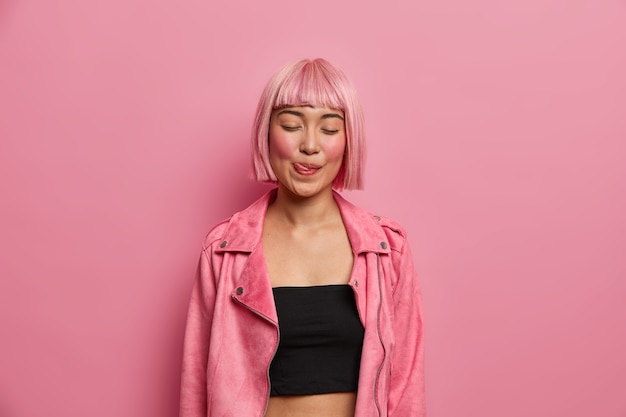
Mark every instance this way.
x=232 y=325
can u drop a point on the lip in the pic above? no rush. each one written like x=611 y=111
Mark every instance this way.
x=306 y=169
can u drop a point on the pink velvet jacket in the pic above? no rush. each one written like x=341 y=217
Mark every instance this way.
x=232 y=326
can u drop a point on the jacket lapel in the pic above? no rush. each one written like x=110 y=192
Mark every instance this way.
x=253 y=287
x=363 y=229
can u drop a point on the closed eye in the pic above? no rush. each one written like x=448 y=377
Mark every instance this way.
x=290 y=128
x=330 y=131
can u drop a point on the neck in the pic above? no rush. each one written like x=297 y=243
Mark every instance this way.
x=305 y=211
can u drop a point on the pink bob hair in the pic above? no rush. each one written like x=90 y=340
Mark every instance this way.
x=314 y=83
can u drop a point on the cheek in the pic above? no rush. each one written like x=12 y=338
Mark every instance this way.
x=335 y=149
x=280 y=145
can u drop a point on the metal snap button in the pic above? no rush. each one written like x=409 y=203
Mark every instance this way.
x=239 y=290
x=223 y=244
x=383 y=245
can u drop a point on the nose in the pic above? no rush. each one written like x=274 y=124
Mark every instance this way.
x=310 y=142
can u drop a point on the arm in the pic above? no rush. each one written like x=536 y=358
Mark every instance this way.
x=406 y=394
x=193 y=396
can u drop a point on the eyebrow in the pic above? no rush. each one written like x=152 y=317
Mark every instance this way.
x=331 y=115
x=300 y=114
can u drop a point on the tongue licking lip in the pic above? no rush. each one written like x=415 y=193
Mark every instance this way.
x=306 y=169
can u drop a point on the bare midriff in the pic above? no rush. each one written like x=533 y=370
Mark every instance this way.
x=337 y=404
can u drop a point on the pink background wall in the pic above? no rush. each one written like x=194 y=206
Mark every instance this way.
x=497 y=137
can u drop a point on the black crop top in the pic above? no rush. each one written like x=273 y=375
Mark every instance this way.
x=321 y=337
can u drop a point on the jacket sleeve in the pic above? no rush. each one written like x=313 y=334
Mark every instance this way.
x=406 y=393
x=193 y=396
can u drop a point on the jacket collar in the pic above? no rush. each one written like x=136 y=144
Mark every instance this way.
x=245 y=228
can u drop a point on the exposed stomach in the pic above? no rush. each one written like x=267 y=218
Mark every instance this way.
x=336 y=404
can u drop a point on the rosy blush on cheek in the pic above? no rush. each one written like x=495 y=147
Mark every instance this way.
x=335 y=149
x=281 y=146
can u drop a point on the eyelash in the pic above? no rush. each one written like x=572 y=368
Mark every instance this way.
x=295 y=128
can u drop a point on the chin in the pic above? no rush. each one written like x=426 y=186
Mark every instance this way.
x=307 y=190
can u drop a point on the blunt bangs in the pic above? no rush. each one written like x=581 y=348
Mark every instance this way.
x=309 y=86
x=314 y=83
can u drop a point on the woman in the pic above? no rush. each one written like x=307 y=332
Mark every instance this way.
x=305 y=305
